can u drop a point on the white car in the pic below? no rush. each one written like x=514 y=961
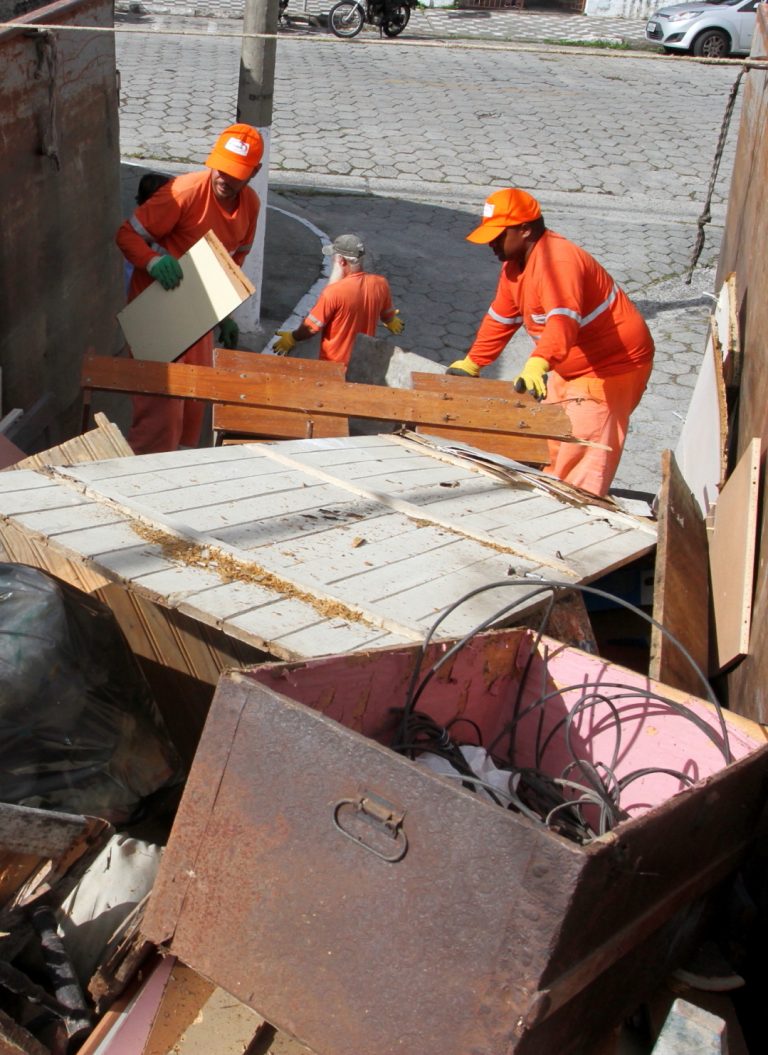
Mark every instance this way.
x=714 y=29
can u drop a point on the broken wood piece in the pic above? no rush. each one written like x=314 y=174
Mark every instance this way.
x=521 y=448
x=732 y=559
x=681 y=584
x=267 y=389
x=726 y=326
x=41 y=841
x=124 y=955
x=268 y=423
x=161 y=324
x=105 y=441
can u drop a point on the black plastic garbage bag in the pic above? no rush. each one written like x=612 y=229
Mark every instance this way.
x=79 y=730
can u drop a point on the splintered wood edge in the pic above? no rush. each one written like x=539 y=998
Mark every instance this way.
x=242 y=284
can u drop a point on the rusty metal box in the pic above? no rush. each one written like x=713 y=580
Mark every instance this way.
x=368 y=906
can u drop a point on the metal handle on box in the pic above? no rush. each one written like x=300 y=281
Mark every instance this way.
x=382 y=816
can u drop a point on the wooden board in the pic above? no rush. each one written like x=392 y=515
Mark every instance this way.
x=701 y=449
x=195 y=1017
x=105 y=441
x=275 y=424
x=532 y=450
x=726 y=327
x=681 y=584
x=732 y=559
x=307 y=547
x=160 y=324
x=321 y=397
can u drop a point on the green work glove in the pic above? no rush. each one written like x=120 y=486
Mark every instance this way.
x=166 y=270
x=533 y=377
x=285 y=344
x=229 y=332
x=395 y=324
x=464 y=368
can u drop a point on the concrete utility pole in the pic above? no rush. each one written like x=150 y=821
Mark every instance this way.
x=254 y=106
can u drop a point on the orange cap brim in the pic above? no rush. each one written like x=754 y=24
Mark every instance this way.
x=223 y=162
x=486 y=233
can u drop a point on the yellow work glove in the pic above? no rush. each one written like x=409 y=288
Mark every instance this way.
x=533 y=377
x=395 y=324
x=464 y=368
x=285 y=344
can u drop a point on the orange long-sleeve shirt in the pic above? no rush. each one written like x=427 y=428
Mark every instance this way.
x=178 y=215
x=579 y=319
x=353 y=305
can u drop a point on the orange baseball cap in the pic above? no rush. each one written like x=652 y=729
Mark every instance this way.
x=238 y=151
x=504 y=208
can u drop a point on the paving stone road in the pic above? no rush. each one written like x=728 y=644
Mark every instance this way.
x=402 y=141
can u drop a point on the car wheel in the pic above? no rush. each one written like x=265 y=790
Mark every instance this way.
x=712 y=44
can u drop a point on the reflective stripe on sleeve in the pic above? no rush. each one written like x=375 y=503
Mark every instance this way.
x=242 y=249
x=583 y=320
x=140 y=229
x=601 y=307
x=314 y=320
x=514 y=320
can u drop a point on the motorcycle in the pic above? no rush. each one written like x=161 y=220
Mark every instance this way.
x=348 y=17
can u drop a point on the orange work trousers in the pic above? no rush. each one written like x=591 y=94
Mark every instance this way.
x=161 y=423
x=598 y=409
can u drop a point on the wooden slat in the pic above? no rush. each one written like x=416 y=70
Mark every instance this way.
x=530 y=449
x=681 y=583
x=275 y=424
x=732 y=559
x=105 y=441
x=325 y=397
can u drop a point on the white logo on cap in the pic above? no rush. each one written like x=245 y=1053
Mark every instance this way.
x=237 y=146
x=488 y=210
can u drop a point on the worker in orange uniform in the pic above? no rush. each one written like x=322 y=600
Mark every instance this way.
x=353 y=302
x=593 y=350
x=177 y=215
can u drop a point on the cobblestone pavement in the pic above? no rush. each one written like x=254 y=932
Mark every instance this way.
x=401 y=142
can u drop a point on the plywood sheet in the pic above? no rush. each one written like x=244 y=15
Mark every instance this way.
x=701 y=449
x=732 y=559
x=681 y=584
x=160 y=324
x=316 y=546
